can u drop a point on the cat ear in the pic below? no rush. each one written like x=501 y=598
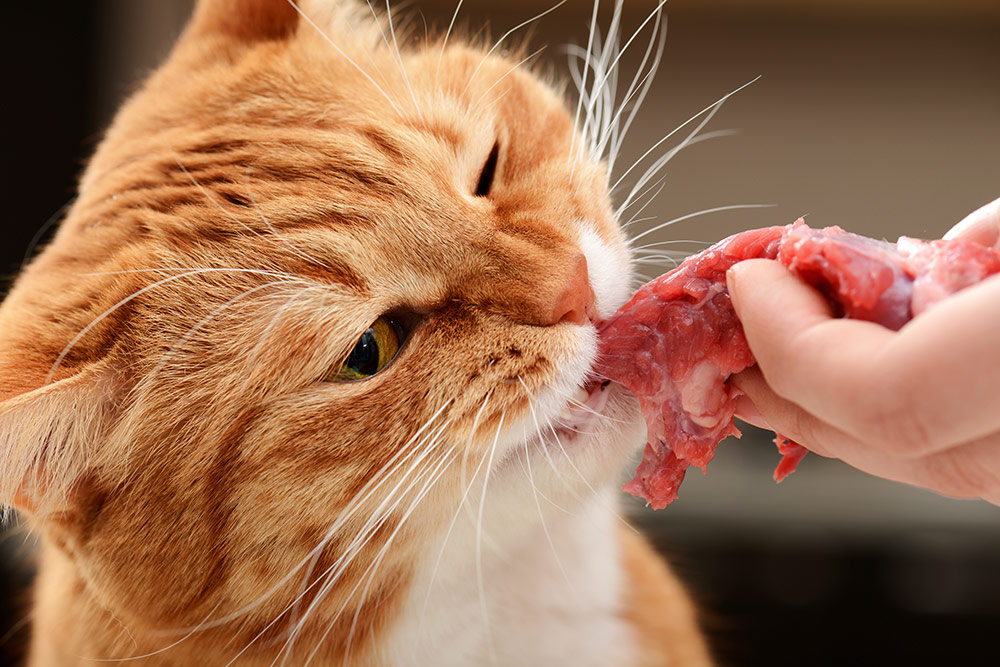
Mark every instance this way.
x=246 y=20
x=44 y=439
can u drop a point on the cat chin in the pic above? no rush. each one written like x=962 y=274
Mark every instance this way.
x=579 y=452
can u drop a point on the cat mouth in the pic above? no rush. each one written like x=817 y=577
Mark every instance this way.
x=583 y=412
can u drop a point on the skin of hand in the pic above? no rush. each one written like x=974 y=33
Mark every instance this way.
x=920 y=406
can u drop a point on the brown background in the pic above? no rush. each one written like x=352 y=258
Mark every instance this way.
x=882 y=116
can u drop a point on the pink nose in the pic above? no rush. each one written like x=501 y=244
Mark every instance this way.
x=575 y=303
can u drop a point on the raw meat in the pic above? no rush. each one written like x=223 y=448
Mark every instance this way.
x=677 y=341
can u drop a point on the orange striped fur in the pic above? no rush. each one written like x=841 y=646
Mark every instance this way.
x=203 y=493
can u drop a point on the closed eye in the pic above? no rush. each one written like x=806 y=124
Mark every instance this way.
x=489 y=171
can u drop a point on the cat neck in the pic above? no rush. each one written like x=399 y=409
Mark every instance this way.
x=557 y=596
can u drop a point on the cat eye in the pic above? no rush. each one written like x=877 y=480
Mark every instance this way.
x=376 y=348
x=489 y=171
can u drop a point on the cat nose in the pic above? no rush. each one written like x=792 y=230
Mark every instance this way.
x=574 y=303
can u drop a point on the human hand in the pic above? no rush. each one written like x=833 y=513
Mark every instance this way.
x=921 y=405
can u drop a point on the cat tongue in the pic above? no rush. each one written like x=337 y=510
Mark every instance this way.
x=677 y=341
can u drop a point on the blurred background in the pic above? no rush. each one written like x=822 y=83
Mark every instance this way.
x=881 y=116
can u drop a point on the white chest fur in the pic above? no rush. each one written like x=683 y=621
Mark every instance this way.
x=551 y=601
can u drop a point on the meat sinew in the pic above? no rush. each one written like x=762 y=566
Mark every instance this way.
x=677 y=341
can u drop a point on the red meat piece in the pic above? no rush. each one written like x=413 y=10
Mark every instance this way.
x=677 y=341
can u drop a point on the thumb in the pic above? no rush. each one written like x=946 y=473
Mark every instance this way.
x=981 y=226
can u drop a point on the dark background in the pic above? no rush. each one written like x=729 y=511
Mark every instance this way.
x=882 y=116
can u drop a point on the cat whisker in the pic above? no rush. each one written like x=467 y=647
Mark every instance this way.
x=658 y=165
x=581 y=86
x=583 y=478
x=545 y=529
x=324 y=579
x=190 y=634
x=370 y=488
x=657 y=244
x=480 y=584
x=688 y=216
x=710 y=110
x=447 y=459
x=461 y=504
x=538 y=431
x=378 y=518
x=610 y=125
x=331 y=578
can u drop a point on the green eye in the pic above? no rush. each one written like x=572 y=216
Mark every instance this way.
x=373 y=352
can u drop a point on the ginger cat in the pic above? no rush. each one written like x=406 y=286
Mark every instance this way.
x=304 y=377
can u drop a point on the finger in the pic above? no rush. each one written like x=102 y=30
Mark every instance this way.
x=821 y=363
x=924 y=389
x=981 y=226
x=970 y=470
x=770 y=411
x=942 y=369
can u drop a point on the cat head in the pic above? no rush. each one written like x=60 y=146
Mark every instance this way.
x=318 y=293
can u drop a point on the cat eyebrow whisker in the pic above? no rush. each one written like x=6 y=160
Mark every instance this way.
x=444 y=43
x=639 y=88
x=97 y=320
x=600 y=89
x=510 y=71
x=507 y=34
x=581 y=84
x=394 y=47
x=208 y=318
x=343 y=53
x=193 y=270
x=602 y=120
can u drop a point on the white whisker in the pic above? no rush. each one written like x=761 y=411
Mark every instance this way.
x=480 y=584
x=346 y=57
x=711 y=109
x=507 y=34
x=461 y=504
x=444 y=43
x=696 y=214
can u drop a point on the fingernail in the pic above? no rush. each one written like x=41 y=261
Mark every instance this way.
x=980 y=226
x=731 y=285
